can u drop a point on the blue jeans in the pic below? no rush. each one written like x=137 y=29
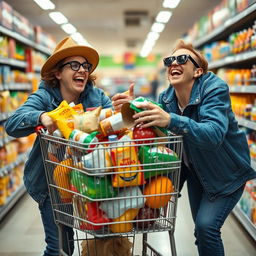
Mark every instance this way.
x=51 y=232
x=209 y=216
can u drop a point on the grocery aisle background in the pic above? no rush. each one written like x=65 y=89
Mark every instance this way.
x=22 y=235
x=225 y=30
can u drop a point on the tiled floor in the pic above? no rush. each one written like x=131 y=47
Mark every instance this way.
x=22 y=234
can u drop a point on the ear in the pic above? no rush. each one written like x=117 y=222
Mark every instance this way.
x=198 y=72
x=57 y=74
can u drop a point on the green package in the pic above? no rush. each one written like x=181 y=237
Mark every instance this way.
x=157 y=157
x=133 y=104
x=93 y=187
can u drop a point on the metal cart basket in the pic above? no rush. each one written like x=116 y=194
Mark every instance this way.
x=114 y=189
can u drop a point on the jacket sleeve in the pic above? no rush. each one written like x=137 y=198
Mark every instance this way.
x=106 y=102
x=24 y=120
x=213 y=119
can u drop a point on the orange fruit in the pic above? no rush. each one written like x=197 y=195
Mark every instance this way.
x=159 y=185
x=61 y=179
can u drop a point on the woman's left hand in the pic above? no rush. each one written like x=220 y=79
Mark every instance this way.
x=153 y=115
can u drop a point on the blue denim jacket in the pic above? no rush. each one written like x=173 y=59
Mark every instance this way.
x=216 y=149
x=23 y=121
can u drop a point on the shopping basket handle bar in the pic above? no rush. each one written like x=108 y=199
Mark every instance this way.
x=40 y=129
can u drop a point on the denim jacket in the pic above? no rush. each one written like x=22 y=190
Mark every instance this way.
x=216 y=149
x=24 y=120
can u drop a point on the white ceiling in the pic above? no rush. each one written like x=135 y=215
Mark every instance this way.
x=102 y=24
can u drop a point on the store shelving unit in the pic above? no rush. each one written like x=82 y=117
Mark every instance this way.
x=233 y=24
x=16 y=195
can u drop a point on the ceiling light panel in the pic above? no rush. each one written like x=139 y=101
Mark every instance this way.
x=58 y=17
x=45 y=4
x=157 y=27
x=171 y=3
x=163 y=16
x=68 y=28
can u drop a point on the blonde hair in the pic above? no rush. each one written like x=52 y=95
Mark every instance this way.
x=180 y=44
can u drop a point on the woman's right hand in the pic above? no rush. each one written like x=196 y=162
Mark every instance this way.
x=48 y=123
x=120 y=98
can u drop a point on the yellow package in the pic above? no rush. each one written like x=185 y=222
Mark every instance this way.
x=64 y=117
x=79 y=108
x=128 y=171
x=88 y=121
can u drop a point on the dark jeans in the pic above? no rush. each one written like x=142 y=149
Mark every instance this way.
x=51 y=232
x=209 y=217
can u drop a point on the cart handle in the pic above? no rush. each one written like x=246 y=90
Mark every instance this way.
x=39 y=129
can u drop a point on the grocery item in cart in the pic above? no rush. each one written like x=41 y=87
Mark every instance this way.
x=112 y=125
x=89 y=212
x=154 y=188
x=128 y=198
x=88 y=140
x=98 y=161
x=156 y=157
x=124 y=226
x=88 y=121
x=128 y=172
x=61 y=178
x=92 y=186
x=140 y=133
x=149 y=215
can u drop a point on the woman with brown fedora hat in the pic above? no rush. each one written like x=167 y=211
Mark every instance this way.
x=66 y=75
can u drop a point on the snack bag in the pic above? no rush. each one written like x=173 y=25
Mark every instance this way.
x=150 y=156
x=88 y=121
x=64 y=117
x=92 y=186
x=128 y=171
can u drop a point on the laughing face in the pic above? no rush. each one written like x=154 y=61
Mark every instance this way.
x=182 y=74
x=72 y=82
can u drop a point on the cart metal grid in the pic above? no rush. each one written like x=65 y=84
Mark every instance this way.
x=104 y=188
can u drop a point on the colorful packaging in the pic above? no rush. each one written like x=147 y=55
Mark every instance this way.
x=128 y=167
x=90 y=212
x=92 y=186
x=130 y=198
x=88 y=121
x=97 y=161
x=150 y=156
x=112 y=125
x=87 y=139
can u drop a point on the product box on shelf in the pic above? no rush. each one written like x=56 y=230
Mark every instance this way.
x=22 y=26
x=6 y=16
x=43 y=38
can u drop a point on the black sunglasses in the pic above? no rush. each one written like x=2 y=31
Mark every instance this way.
x=75 y=65
x=181 y=59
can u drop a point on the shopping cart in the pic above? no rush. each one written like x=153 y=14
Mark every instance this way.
x=108 y=190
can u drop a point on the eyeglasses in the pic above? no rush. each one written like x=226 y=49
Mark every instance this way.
x=75 y=65
x=181 y=59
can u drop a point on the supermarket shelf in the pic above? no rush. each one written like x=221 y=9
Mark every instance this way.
x=243 y=89
x=20 y=159
x=24 y=40
x=230 y=24
x=13 y=62
x=230 y=60
x=246 y=222
x=246 y=123
x=4 y=116
x=11 y=200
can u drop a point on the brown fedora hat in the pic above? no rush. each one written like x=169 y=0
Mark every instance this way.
x=67 y=48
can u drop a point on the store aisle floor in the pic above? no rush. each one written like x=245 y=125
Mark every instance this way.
x=22 y=234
